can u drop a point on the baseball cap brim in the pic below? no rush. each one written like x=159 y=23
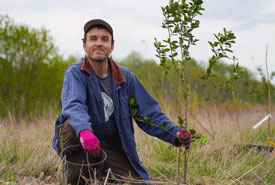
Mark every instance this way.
x=96 y=22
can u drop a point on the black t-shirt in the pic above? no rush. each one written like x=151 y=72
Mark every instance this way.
x=107 y=130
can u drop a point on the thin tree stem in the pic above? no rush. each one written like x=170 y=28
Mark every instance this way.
x=237 y=114
x=179 y=154
x=268 y=91
x=186 y=124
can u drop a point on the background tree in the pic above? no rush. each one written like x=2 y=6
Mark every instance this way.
x=31 y=71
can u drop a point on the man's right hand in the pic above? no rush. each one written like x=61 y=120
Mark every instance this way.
x=89 y=142
x=185 y=137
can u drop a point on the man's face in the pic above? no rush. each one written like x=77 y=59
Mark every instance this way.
x=98 y=44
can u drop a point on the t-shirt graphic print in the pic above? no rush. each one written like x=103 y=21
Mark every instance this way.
x=108 y=106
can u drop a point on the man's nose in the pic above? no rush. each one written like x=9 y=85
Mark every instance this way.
x=99 y=42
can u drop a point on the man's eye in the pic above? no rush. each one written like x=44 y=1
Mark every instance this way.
x=93 y=38
x=105 y=38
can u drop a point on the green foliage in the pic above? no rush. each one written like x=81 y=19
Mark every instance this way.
x=262 y=93
x=221 y=49
x=134 y=113
x=31 y=71
x=179 y=20
x=133 y=61
x=167 y=85
x=202 y=140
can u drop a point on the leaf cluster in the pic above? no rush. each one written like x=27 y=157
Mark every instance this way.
x=134 y=113
x=179 y=20
x=221 y=47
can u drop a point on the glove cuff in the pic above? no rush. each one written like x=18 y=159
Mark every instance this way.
x=84 y=133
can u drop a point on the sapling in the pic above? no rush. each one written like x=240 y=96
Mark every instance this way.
x=221 y=49
x=268 y=91
x=180 y=22
x=134 y=113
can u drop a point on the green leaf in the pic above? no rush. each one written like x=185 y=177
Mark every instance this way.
x=146 y=118
x=243 y=70
x=195 y=25
x=198 y=2
x=134 y=111
x=173 y=55
x=176 y=29
x=180 y=120
x=162 y=126
x=166 y=50
x=132 y=101
x=208 y=71
x=196 y=136
x=152 y=123
x=229 y=50
x=192 y=131
x=221 y=55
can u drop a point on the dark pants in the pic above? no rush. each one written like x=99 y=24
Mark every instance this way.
x=116 y=160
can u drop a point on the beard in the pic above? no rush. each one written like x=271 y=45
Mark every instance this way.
x=98 y=59
x=101 y=57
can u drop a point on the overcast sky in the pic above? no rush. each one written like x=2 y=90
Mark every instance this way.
x=137 y=22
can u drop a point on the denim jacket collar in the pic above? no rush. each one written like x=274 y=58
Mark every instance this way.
x=116 y=72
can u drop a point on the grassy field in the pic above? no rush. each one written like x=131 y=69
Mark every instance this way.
x=218 y=159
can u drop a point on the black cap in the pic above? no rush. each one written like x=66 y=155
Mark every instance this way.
x=96 y=22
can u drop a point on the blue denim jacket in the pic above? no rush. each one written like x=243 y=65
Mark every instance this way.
x=82 y=105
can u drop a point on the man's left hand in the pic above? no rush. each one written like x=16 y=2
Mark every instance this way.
x=184 y=137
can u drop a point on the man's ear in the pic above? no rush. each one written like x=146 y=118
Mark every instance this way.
x=84 y=46
x=112 y=47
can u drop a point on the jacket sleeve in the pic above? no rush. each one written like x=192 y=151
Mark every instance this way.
x=149 y=107
x=73 y=98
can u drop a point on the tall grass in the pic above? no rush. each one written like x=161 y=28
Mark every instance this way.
x=219 y=161
x=26 y=149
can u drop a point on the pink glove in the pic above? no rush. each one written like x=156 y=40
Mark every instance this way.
x=184 y=138
x=89 y=142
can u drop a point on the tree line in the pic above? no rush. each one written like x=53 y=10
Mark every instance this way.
x=32 y=70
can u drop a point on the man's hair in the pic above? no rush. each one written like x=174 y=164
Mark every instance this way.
x=99 y=27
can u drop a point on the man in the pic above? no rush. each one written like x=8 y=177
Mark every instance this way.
x=95 y=108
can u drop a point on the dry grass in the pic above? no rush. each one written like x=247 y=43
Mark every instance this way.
x=217 y=161
x=26 y=149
